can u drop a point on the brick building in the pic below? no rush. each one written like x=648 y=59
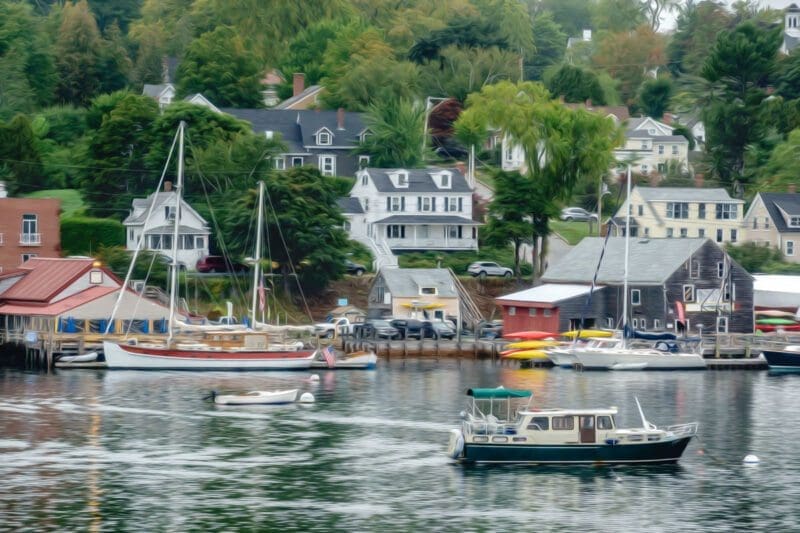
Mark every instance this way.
x=29 y=227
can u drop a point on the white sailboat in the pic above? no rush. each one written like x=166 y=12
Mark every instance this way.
x=236 y=349
x=624 y=357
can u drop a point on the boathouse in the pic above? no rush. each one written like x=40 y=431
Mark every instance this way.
x=672 y=284
x=421 y=293
x=47 y=298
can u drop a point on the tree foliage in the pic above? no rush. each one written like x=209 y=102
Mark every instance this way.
x=576 y=85
x=549 y=42
x=654 y=97
x=396 y=134
x=617 y=15
x=698 y=24
x=782 y=170
x=514 y=198
x=20 y=162
x=629 y=56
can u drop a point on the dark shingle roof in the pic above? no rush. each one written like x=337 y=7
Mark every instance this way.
x=348 y=204
x=779 y=203
x=419 y=180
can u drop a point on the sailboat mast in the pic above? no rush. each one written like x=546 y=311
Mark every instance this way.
x=628 y=210
x=257 y=257
x=173 y=284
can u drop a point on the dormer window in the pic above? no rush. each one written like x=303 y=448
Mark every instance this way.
x=428 y=291
x=794 y=222
x=399 y=179
x=324 y=137
x=363 y=135
x=442 y=180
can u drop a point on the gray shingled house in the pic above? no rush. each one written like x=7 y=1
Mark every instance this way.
x=665 y=275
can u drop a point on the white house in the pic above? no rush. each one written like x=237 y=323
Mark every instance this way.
x=791 y=29
x=157 y=232
x=650 y=146
x=163 y=93
x=414 y=209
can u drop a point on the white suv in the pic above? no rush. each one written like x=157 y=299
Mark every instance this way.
x=488 y=268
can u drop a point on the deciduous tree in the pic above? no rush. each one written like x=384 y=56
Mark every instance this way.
x=576 y=85
x=396 y=134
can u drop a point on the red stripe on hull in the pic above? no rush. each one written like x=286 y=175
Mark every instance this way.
x=219 y=355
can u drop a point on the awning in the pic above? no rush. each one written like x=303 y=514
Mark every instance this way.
x=498 y=393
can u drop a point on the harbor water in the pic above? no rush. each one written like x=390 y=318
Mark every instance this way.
x=87 y=450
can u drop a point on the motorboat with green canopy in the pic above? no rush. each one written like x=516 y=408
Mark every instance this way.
x=501 y=426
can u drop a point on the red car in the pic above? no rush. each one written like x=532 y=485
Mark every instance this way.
x=217 y=263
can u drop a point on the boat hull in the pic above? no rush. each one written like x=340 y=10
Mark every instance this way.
x=366 y=361
x=645 y=359
x=783 y=360
x=154 y=358
x=258 y=398
x=590 y=454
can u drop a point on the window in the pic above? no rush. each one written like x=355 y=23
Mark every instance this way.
x=402 y=180
x=701 y=232
x=327 y=165
x=646 y=232
x=453 y=232
x=324 y=138
x=186 y=242
x=428 y=291
x=547 y=312
x=169 y=212
x=563 y=422
x=701 y=210
x=366 y=204
x=789 y=248
x=30 y=230
x=539 y=423
x=722 y=324
x=694 y=269
x=644 y=169
x=130 y=234
x=96 y=277
x=688 y=293
x=423 y=232
x=644 y=145
x=280 y=163
x=641 y=210
x=734 y=235
x=25 y=257
x=636 y=297
x=363 y=161
x=719 y=235
x=453 y=204
x=445 y=180
x=674 y=149
x=395 y=231
x=684 y=233
x=677 y=210
x=670 y=232
x=662 y=168
x=199 y=243
x=656 y=324
x=531 y=311
x=395 y=203
x=424 y=203
x=794 y=222
x=643 y=324
x=297 y=161
x=755 y=222
x=726 y=211
x=720 y=269
x=766 y=222
x=604 y=422
x=512 y=311
x=660 y=149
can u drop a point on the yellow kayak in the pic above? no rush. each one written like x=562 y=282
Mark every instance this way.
x=586 y=333
x=532 y=345
x=526 y=355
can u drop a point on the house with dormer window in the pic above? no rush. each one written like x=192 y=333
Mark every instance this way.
x=327 y=140
x=773 y=219
x=682 y=212
x=413 y=209
x=157 y=231
x=651 y=148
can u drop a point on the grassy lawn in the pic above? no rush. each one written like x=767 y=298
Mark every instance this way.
x=572 y=232
x=71 y=200
x=459 y=261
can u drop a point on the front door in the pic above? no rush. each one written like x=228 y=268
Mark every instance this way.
x=587 y=429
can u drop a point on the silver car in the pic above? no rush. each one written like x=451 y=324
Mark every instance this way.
x=576 y=213
x=488 y=268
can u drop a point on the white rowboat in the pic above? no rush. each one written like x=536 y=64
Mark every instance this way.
x=256 y=397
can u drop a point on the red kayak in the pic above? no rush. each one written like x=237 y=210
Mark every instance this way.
x=767 y=328
x=531 y=335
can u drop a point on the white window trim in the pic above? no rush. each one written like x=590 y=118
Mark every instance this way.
x=638 y=299
x=322 y=159
x=789 y=248
x=324 y=137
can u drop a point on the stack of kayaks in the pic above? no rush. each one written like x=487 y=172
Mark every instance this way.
x=776 y=320
x=529 y=345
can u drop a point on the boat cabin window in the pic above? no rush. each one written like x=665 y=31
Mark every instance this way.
x=604 y=422
x=563 y=422
x=539 y=423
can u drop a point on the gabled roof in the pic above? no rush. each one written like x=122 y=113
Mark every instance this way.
x=651 y=261
x=419 y=180
x=45 y=277
x=641 y=134
x=779 y=203
x=163 y=198
x=548 y=293
x=684 y=194
x=155 y=91
x=349 y=204
x=289 y=102
x=59 y=307
x=199 y=99
x=313 y=121
x=406 y=282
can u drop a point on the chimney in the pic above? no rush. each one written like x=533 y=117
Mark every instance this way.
x=298 y=83
x=698 y=181
x=461 y=167
x=167 y=186
x=792 y=188
x=666 y=118
x=587 y=35
x=340 y=118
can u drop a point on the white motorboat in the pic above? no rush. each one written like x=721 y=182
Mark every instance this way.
x=352 y=361
x=256 y=397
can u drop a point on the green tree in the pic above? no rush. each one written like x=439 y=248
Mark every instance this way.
x=781 y=169
x=561 y=146
x=79 y=49
x=114 y=64
x=221 y=66
x=697 y=25
x=119 y=12
x=654 y=97
x=549 y=41
x=304 y=226
x=629 y=56
x=463 y=32
x=506 y=222
x=572 y=15
x=787 y=82
x=461 y=71
x=753 y=257
x=396 y=134
x=576 y=85
x=617 y=15
x=150 y=51
x=741 y=64
x=20 y=162
x=306 y=50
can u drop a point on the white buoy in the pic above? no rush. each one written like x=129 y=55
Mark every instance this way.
x=306 y=397
x=751 y=459
x=313 y=377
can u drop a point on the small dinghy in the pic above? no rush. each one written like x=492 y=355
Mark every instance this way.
x=365 y=360
x=256 y=397
x=85 y=360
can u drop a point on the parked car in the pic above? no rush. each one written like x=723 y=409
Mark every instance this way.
x=380 y=329
x=490 y=330
x=217 y=263
x=489 y=268
x=438 y=330
x=409 y=328
x=356 y=269
x=577 y=213
x=333 y=326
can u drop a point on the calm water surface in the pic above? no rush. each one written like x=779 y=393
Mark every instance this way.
x=142 y=451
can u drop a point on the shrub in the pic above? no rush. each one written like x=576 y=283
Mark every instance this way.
x=85 y=235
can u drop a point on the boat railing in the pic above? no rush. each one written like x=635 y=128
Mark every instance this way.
x=683 y=430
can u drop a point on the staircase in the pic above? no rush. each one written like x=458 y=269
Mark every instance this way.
x=384 y=258
x=469 y=310
x=152 y=292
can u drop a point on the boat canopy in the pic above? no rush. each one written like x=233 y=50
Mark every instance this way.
x=633 y=334
x=498 y=393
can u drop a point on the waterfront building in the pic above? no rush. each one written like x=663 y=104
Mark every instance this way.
x=29 y=227
x=421 y=293
x=773 y=219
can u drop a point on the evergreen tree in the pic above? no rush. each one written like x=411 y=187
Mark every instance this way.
x=576 y=85
x=79 y=48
